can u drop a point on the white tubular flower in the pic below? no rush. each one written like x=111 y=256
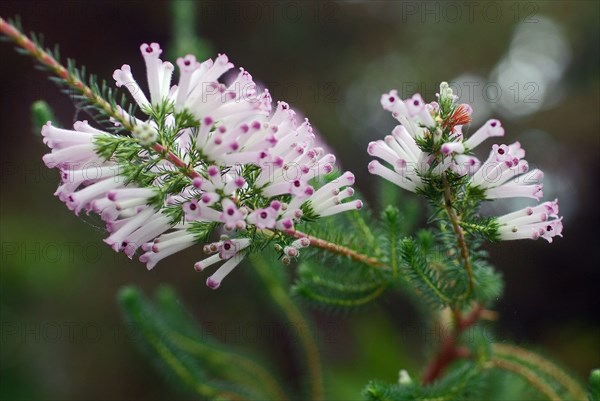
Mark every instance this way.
x=166 y=245
x=209 y=155
x=465 y=164
x=505 y=175
x=86 y=177
x=492 y=128
x=158 y=72
x=293 y=250
x=420 y=121
x=124 y=77
x=229 y=250
x=92 y=184
x=411 y=113
x=401 y=152
x=328 y=200
x=71 y=148
x=452 y=147
x=430 y=144
x=541 y=221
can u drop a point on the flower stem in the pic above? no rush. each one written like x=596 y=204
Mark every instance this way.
x=170 y=156
x=45 y=59
x=529 y=375
x=541 y=364
x=459 y=233
x=450 y=351
x=297 y=320
x=338 y=249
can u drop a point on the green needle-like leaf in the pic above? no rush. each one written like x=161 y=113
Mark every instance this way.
x=204 y=367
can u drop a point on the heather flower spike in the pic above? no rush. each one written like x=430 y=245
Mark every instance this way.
x=430 y=148
x=207 y=156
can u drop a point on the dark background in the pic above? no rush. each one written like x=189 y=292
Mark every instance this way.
x=532 y=64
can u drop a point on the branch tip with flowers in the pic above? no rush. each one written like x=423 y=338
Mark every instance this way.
x=235 y=154
x=211 y=158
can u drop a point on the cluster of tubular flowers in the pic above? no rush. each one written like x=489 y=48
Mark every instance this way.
x=504 y=174
x=237 y=130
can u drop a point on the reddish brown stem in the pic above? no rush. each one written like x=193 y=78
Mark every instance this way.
x=59 y=70
x=460 y=236
x=449 y=351
x=339 y=249
x=170 y=156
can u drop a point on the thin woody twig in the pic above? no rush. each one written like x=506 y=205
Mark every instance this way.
x=60 y=71
x=339 y=249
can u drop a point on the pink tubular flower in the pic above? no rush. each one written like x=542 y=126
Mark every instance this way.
x=412 y=113
x=430 y=142
x=242 y=166
x=91 y=183
x=263 y=218
x=492 y=128
x=233 y=217
x=71 y=148
x=505 y=174
x=232 y=251
x=328 y=200
x=407 y=161
x=532 y=223
x=166 y=245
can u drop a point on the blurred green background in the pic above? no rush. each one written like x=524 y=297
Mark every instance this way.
x=534 y=65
